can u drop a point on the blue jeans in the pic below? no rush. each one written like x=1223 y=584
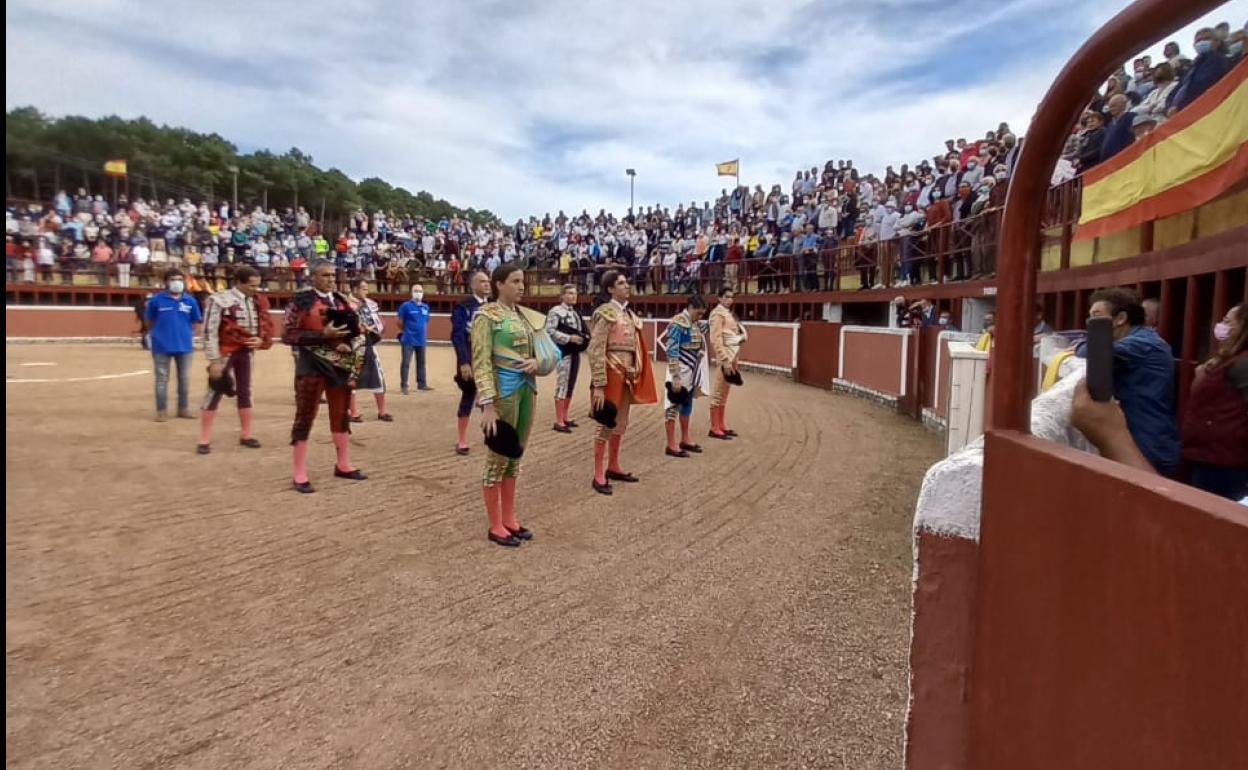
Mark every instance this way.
x=408 y=350
x=162 y=361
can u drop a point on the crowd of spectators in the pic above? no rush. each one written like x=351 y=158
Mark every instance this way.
x=914 y=224
x=1134 y=104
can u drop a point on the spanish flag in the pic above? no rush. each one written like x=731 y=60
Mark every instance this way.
x=115 y=167
x=1188 y=161
x=729 y=168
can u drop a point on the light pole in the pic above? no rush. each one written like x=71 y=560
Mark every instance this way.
x=234 y=172
x=632 y=177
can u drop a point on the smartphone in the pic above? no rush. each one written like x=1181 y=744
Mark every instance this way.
x=1100 y=357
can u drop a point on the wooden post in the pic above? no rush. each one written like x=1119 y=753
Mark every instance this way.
x=1188 y=347
x=1221 y=296
x=1146 y=236
x=1166 y=315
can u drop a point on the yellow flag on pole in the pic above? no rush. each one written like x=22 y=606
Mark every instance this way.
x=115 y=167
x=729 y=168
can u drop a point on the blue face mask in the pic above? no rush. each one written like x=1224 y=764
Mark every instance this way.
x=1236 y=48
x=1204 y=46
x=1144 y=89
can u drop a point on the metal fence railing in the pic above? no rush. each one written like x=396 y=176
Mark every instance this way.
x=952 y=251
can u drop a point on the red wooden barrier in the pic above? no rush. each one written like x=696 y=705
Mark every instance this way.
x=1111 y=630
x=818 y=353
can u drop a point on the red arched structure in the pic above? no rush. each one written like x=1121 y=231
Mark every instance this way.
x=1111 y=615
x=1019 y=253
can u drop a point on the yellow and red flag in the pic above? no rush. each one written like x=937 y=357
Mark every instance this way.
x=1188 y=161
x=728 y=168
x=115 y=167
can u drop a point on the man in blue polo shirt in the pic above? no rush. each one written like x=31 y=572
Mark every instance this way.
x=414 y=326
x=172 y=314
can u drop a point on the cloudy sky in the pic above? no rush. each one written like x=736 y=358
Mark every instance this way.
x=528 y=107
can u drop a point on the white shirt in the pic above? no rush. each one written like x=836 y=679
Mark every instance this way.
x=888 y=225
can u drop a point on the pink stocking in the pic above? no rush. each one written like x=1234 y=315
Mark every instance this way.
x=493 y=507
x=463 y=432
x=244 y=419
x=341 y=443
x=301 y=462
x=600 y=452
x=614 y=464
x=206 y=418
x=509 y=503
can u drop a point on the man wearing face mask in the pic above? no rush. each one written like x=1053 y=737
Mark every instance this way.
x=1235 y=47
x=948 y=181
x=908 y=227
x=172 y=315
x=414 y=336
x=1209 y=67
x=938 y=216
x=973 y=172
x=1143 y=372
x=963 y=210
x=1118 y=135
x=1142 y=83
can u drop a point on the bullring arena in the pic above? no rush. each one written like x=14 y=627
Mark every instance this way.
x=747 y=607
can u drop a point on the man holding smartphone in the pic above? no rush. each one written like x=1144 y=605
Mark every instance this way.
x=1143 y=377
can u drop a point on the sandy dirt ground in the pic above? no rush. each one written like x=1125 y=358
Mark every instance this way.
x=746 y=608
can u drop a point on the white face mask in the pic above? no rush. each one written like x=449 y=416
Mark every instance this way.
x=176 y=287
x=944 y=321
x=417 y=296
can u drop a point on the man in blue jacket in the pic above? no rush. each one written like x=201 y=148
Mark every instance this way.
x=1143 y=378
x=413 y=335
x=1119 y=134
x=172 y=315
x=461 y=338
x=1209 y=67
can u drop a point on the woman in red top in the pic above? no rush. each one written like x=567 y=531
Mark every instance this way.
x=1215 y=425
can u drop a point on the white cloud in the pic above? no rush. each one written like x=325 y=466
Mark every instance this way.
x=533 y=107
